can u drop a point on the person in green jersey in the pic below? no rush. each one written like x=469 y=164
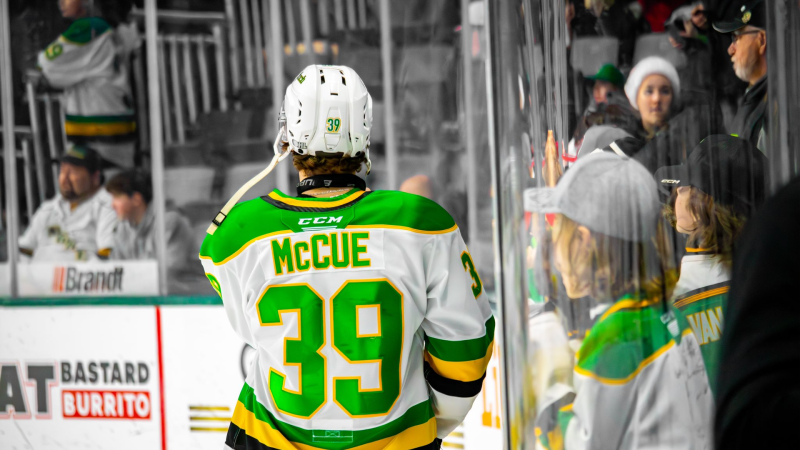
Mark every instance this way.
x=630 y=384
x=711 y=198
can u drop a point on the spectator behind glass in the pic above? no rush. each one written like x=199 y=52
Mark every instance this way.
x=607 y=80
x=608 y=106
x=132 y=193
x=713 y=195
x=668 y=130
x=653 y=89
x=708 y=75
x=78 y=224
x=607 y=246
x=758 y=387
x=747 y=22
x=621 y=19
x=89 y=62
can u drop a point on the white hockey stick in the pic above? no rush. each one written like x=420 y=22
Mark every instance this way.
x=246 y=187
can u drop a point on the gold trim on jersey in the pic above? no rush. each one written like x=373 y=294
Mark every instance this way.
x=617 y=381
x=98 y=129
x=702 y=296
x=416 y=436
x=461 y=370
x=399 y=227
x=369 y=361
x=247 y=244
x=316 y=204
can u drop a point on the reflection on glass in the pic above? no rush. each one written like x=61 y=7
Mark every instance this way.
x=674 y=97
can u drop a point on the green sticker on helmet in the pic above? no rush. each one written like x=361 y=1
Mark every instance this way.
x=301 y=78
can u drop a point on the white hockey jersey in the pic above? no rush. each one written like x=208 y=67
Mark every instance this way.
x=59 y=233
x=633 y=387
x=367 y=315
x=89 y=62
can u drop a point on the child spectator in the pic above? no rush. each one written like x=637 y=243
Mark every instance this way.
x=630 y=388
x=713 y=195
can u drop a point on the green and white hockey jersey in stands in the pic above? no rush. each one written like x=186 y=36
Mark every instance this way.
x=700 y=300
x=633 y=387
x=369 y=320
x=89 y=62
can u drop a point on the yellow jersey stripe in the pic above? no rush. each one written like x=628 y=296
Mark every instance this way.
x=99 y=129
x=462 y=370
x=263 y=236
x=701 y=296
x=399 y=227
x=617 y=381
x=316 y=204
x=626 y=304
x=259 y=430
x=416 y=436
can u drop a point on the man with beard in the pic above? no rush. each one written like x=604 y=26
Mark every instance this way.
x=747 y=22
x=78 y=224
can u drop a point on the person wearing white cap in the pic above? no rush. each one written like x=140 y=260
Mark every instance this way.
x=669 y=125
x=633 y=387
x=653 y=88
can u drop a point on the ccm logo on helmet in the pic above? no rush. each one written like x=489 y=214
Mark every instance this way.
x=319 y=220
x=671 y=181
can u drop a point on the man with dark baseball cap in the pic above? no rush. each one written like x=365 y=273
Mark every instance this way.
x=746 y=20
x=78 y=224
x=83 y=156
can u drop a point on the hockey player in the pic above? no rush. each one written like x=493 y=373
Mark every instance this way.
x=631 y=385
x=713 y=195
x=89 y=62
x=369 y=320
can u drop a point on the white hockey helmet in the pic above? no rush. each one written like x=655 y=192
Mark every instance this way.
x=327 y=111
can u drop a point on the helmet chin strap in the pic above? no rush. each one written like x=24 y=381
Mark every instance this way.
x=280 y=155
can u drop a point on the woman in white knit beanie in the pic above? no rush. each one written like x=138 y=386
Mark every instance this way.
x=653 y=88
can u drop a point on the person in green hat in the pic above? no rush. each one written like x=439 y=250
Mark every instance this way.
x=607 y=79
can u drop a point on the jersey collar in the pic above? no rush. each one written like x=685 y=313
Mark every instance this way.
x=283 y=201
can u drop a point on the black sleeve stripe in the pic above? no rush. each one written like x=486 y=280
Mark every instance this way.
x=455 y=388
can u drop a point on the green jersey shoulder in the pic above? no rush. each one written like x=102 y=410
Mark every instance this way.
x=278 y=213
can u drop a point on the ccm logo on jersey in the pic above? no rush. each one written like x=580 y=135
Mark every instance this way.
x=667 y=181
x=319 y=220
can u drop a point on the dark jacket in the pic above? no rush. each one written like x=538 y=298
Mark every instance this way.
x=685 y=130
x=758 y=395
x=751 y=116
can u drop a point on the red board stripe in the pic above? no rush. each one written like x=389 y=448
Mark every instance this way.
x=161 y=380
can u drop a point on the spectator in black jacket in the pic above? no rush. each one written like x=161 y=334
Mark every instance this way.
x=747 y=22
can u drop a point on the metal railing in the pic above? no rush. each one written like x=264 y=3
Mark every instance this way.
x=45 y=108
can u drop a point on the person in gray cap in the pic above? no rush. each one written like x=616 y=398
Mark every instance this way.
x=607 y=245
x=747 y=23
x=600 y=136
